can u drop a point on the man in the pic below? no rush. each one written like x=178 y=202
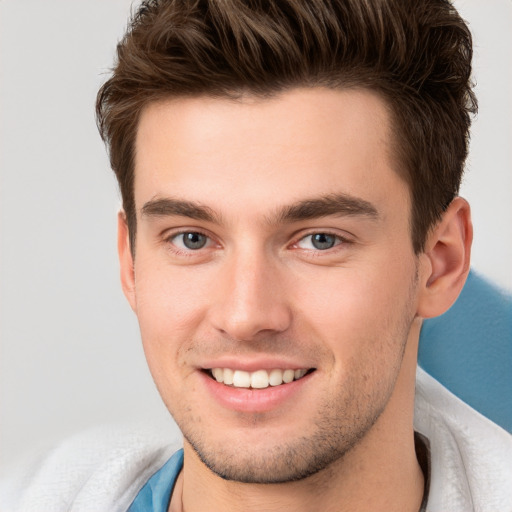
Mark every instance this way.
x=289 y=173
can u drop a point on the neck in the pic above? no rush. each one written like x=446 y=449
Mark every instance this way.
x=380 y=473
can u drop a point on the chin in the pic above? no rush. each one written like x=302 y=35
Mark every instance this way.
x=267 y=461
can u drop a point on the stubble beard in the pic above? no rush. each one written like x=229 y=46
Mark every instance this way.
x=297 y=459
x=342 y=420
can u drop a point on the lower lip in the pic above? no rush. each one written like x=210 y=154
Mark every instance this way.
x=254 y=400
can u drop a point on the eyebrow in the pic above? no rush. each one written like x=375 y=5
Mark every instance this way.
x=168 y=207
x=324 y=206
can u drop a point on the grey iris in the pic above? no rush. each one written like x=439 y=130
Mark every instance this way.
x=194 y=240
x=323 y=241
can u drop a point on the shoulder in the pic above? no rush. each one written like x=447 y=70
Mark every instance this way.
x=471 y=457
x=101 y=469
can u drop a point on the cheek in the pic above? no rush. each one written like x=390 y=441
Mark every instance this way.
x=170 y=309
x=169 y=299
x=360 y=313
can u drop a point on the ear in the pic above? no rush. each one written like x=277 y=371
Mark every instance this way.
x=126 y=259
x=445 y=262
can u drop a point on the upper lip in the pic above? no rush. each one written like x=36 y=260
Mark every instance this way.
x=252 y=365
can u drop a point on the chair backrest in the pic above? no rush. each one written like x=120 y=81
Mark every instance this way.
x=469 y=349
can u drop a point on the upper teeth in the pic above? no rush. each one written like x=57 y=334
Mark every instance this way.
x=259 y=379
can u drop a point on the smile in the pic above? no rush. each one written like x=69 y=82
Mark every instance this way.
x=259 y=379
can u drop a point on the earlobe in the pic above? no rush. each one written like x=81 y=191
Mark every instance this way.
x=446 y=260
x=125 y=259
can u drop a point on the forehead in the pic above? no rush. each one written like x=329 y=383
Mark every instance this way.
x=296 y=144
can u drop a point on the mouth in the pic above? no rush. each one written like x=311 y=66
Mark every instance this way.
x=259 y=379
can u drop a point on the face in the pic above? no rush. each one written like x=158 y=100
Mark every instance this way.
x=274 y=278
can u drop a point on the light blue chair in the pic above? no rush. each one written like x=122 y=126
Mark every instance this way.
x=469 y=349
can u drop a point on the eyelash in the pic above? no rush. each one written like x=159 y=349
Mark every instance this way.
x=340 y=242
x=186 y=252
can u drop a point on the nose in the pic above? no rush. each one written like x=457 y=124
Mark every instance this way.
x=252 y=299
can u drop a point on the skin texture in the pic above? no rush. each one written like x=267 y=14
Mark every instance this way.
x=254 y=178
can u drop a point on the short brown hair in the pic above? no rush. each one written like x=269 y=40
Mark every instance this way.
x=415 y=54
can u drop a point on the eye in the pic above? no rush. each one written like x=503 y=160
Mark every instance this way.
x=319 y=241
x=190 y=240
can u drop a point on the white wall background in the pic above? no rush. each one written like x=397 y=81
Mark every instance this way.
x=70 y=355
